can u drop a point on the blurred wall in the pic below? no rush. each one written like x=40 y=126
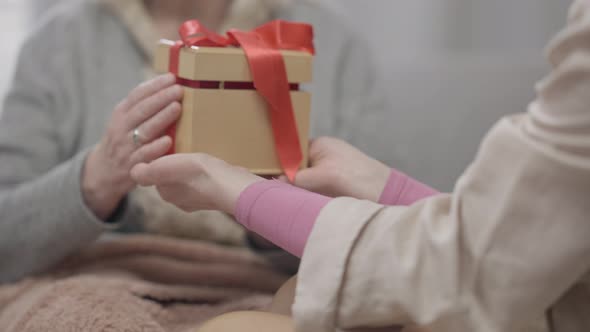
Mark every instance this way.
x=451 y=69
x=38 y=7
x=426 y=28
x=13 y=15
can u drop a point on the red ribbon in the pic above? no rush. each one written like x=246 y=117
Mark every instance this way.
x=262 y=47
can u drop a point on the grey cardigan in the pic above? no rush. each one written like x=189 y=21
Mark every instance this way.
x=76 y=65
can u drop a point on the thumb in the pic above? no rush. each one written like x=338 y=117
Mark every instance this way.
x=307 y=179
x=140 y=173
x=165 y=170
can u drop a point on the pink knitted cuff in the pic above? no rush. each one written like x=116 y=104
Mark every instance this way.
x=281 y=213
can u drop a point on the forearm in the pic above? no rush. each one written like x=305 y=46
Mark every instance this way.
x=285 y=215
x=404 y=190
x=46 y=219
x=280 y=213
x=100 y=193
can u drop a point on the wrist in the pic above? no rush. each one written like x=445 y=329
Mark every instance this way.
x=401 y=189
x=374 y=181
x=230 y=203
x=257 y=242
x=101 y=194
x=380 y=179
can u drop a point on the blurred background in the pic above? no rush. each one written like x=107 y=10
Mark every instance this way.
x=450 y=67
x=14 y=15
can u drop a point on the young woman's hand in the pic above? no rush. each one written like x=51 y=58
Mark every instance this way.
x=339 y=169
x=134 y=134
x=195 y=181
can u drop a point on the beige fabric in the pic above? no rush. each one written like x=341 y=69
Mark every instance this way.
x=161 y=217
x=243 y=14
x=511 y=244
x=139 y=283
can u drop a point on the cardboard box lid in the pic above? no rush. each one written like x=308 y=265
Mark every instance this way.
x=228 y=64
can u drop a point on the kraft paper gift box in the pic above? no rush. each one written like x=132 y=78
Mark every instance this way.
x=225 y=116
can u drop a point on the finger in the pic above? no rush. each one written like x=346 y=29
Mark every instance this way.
x=317 y=149
x=151 y=105
x=149 y=152
x=152 y=174
x=168 y=170
x=140 y=173
x=306 y=179
x=156 y=125
x=148 y=88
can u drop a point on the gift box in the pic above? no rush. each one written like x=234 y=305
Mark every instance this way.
x=225 y=113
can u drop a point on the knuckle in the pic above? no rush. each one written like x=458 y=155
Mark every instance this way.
x=115 y=142
x=142 y=110
x=120 y=158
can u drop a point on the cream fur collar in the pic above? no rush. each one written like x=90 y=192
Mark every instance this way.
x=243 y=14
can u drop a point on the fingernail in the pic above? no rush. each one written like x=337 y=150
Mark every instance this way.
x=175 y=106
x=168 y=77
x=165 y=139
x=176 y=89
x=174 y=112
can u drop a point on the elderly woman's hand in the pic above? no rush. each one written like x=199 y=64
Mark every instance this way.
x=339 y=169
x=134 y=134
x=195 y=181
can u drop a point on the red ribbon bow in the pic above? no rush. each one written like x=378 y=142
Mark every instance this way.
x=262 y=47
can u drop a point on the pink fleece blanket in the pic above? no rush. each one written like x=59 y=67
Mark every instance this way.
x=139 y=283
